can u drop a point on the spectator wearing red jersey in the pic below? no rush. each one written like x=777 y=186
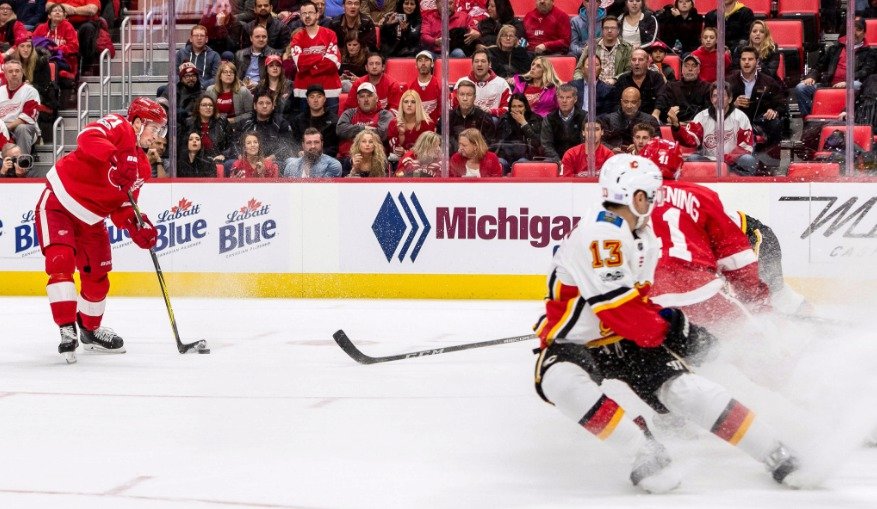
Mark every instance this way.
x=548 y=29
x=317 y=58
x=462 y=31
x=575 y=160
x=427 y=86
x=388 y=89
x=472 y=158
x=424 y=158
x=10 y=28
x=61 y=32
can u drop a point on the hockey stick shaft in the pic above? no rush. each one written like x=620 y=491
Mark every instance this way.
x=164 y=292
x=356 y=354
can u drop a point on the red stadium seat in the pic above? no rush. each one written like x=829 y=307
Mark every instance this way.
x=806 y=171
x=403 y=70
x=828 y=104
x=788 y=34
x=808 y=12
x=457 y=68
x=862 y=136
x=564 y=67
x=666 y=132
x=674 y=62
x=781 y=69
x=692 y=170
x=568 y=6
x=522 y=7
x=871 y=31
x=220 y=171
x=342 y=98
x=657 y=5
x=534 y=170
x=761 y=8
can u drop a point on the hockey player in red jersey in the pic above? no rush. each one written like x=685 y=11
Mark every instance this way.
x=85 y=187
x=600 y=324
x=702 y=249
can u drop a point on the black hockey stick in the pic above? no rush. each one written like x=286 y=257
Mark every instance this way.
x=357 y=355
x=199 y=346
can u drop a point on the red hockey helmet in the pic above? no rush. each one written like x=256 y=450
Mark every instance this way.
x=666 y=154
x=148 y=111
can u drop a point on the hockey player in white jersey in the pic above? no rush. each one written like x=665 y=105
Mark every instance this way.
x=599 y=324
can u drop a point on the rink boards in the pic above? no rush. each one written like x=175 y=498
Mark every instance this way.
x=416 y=239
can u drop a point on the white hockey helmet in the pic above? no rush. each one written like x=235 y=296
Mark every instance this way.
x=623 y=175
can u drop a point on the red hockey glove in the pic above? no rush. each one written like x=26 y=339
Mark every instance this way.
x=124 y=171
x=144 y=237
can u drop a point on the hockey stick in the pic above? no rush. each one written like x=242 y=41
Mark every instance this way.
x=357 y=355
x=199 y=346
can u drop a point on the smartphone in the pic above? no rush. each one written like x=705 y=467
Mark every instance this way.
x=401 y=17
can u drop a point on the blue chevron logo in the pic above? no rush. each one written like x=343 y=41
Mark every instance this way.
x=390 y=227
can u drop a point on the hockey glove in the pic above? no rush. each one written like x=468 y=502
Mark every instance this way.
x=686 y=339
x=124 y=171
x=144 y=237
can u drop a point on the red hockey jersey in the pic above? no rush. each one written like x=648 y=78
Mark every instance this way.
x=81 y=180
x=389 y=92
x=430 y=95
x=701 y=249
x=317 y=60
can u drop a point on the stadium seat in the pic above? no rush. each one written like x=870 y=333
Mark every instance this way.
x=862 y=136
x=701 y=169
x=658 y=5
x=342 y=98
x=404 y=70
x=788 y=34
x=534 y=170
x=871 y=32
x=761 y=8
x=565 y=67
x=781 y=69
x=806 y=171
x=808 y=12
x=673 y=61
x=567 y=6
x=220 y=171
x=522 y=7
x=457 y=68
x=828 y=104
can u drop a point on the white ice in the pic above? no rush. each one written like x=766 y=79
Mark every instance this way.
x=279 y=417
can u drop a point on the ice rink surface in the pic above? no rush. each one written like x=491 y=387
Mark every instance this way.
x=279 y=417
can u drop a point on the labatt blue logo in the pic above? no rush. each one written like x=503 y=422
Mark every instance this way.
x=246 y=227
x=175 y=227
x=26 y=234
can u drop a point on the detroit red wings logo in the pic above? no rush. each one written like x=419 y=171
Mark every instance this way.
x=251 y=206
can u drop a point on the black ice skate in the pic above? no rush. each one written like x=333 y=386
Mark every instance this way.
x=783 y=466
x=69 y=343
x=101 y=339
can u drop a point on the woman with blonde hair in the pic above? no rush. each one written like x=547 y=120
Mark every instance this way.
x=252 y=162
x=768 y=53
x=539 y=85
x=424 y=158
x=411 y=121
x=233 y=100
x=367 y=156
x=472 y=158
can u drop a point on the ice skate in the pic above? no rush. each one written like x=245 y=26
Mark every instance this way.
x=101 y=339
x=69 y=343
x=783 y=467
x=651 y=469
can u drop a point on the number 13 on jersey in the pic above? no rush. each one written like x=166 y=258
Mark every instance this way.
x=608 y=256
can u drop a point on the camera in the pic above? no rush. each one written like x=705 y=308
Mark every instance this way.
x=24 y=161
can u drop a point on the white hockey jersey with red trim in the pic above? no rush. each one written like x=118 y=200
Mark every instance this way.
x=599 y=283
x=20 y=103
x=81 y=181
x=317 y=60
x=701 y=248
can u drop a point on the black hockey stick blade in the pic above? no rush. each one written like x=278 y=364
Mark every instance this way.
x=357 y=355
x=199 y=346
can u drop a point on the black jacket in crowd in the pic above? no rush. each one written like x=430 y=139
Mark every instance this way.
x=691 y=97
x=559 y=136
x=325 y=124
x=651 y=88
x=508 y=63
x=515 y=142
x=477 y=118
x=618 y=128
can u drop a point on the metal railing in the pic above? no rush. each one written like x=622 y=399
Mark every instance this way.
x=148 y=40
x=82 y=111
x=59 y=133
x=106 y=76
x=126 y=46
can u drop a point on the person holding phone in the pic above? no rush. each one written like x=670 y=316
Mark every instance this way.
x=400 y=31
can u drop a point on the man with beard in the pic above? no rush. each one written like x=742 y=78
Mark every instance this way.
x=317 y=116
x=312 y=163
x=188 y=90
x=764 y=102
x=427 y=86
x=278 y=32
x=684 y=98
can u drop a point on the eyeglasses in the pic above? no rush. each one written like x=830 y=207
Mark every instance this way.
x=5 y=9
x=207 y=106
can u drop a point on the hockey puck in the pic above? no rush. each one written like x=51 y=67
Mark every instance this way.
x=203 y=350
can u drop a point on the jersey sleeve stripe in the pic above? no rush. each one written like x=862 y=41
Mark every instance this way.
x=737 y=260
x=565 y=318
x=612 y=299
x=577 y=312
